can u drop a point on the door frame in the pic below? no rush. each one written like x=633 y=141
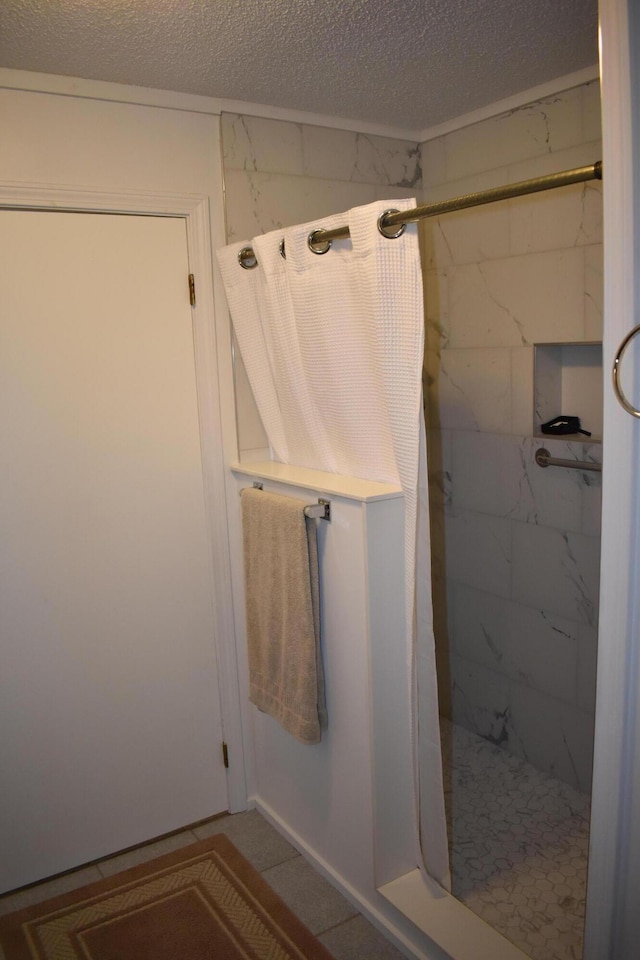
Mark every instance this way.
x=612 y=919
x=194 y=209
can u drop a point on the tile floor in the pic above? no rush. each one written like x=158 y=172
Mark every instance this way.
x=346 y=934
x=519 y=842
x=518 y=851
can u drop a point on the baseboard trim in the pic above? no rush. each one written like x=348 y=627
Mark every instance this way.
x=453 y=931
x=369 y=910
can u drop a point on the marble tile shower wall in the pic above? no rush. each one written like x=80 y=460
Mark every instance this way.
x=517 y=547
x=279 y=173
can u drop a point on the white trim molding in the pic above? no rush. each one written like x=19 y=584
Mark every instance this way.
x=613 y=919
x=105 y=90
x=44 y=196
x=515 y=102
x=195 y=211
x=174 y=100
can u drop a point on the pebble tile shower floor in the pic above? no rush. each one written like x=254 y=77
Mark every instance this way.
x=519 y=842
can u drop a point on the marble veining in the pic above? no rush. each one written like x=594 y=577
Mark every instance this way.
x=553 y=627
x=237 y=143
x=572 y=567
x=391 y=162
x=526 y=493
x=257 y=144
x=521 y=542
x=556 y=570
x=503 y=308
x=546 y=131
x=472 y=390
x=500 y=703
x=533 y=130
x=496 y=474
x=514 y=301
x=548 y=222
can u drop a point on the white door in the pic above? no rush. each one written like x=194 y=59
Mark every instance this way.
x=110 y=727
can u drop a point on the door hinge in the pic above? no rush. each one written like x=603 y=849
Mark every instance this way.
x=192 y=290
x=225 y=754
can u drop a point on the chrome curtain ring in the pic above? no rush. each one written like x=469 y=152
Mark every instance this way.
x=617 y=388
x=247 y=258
x=391 y=233
x=316 y=244
x=283 y=252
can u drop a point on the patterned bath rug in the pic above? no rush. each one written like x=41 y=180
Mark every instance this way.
x=204 y=902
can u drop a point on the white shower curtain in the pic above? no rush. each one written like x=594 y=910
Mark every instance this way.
x=333 y=348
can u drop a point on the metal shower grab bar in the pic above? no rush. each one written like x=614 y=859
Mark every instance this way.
x=544 y=459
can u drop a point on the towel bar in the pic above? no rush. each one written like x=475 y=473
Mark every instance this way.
x=315 y=511
x=319 y=511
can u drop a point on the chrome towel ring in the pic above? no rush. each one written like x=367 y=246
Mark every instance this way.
x=617 y=388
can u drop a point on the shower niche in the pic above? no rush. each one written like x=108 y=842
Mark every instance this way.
x=567 y=380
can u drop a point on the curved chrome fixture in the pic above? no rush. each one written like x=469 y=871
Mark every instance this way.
x=385 y=229
x=317 y=243
x=615 y=373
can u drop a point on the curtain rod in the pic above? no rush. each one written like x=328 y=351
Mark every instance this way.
x=391 y=224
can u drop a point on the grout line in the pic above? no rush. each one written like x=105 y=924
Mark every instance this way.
x=141 y=848
x=273 y=866
x=188 y=828
x=296 y=856
x=336 y=926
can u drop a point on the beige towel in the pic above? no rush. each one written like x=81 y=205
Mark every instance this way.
x=283 y=612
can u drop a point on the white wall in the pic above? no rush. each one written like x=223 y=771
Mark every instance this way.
x=161 y=160
x=110 y=146
x=122 y=148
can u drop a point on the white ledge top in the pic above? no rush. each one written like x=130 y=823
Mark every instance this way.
x=351 y=488
x=446 y=920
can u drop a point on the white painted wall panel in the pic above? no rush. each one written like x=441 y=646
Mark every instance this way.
x=110 y=724
x=73 y=139
x=323 y=792
x=120 y=146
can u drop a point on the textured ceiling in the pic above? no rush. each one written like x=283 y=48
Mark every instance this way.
x=404 y=63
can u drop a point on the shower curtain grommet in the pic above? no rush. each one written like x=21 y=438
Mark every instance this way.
x=316 y=245
x=283 y=252
x=247 y=258
x=391 y=233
